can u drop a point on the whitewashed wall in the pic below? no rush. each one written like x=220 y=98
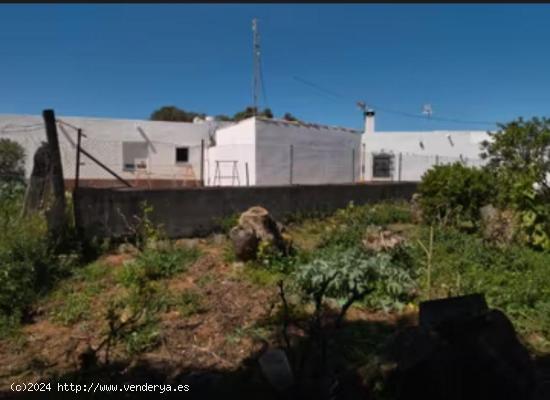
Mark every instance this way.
x=421 y=150
x=233 y=143
x=321 y=154
x=104 y=139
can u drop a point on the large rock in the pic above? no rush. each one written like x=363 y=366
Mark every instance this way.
x=256 y=226
x=245 y=243
x=466 y=354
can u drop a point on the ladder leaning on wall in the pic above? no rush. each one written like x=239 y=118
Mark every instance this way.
x=234 y=173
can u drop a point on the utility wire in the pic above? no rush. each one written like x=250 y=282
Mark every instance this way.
x=387 y=110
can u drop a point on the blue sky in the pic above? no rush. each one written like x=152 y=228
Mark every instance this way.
x=470 y=62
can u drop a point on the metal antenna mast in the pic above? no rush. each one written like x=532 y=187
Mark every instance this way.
x=256 y=84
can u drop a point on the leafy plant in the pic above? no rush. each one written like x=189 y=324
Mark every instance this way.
x=453 y=194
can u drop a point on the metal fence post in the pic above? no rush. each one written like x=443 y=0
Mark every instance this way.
x=291 y=163
x=353 y=165
x=400 y=168
x=247 y=180
x=202 y=162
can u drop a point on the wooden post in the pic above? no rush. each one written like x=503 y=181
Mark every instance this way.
x=57 y=220
x=247 y=180
x=202 y=162
x=77 y=169
x=76 y=180
x=291 y=163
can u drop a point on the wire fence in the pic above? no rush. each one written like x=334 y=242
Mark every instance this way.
x=178 y=164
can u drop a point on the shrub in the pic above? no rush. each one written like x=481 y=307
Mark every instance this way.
x=12 y=162
x=453 y=194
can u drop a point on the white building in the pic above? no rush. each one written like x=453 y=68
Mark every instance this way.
x=406 y=155
x=260 y=151
x=146 y=153
x=255 y=151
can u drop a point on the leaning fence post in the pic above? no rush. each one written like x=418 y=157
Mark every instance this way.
x=56 y=218
x=291 y=162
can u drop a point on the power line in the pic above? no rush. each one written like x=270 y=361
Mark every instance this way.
x=391 y=111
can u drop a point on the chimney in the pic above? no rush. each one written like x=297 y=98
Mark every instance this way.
x=369 y=121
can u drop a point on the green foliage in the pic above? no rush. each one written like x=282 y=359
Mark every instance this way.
x=347 y=226
x=227 y=223
x=250 y=112
x=189 y=302
x=174 y=114
x=519 y=158
x=27 y=265
x=289 y=117
x=389 y=278
x=453 y=194
x=12 y=163
x=155 y=264
x=514 y=278
x=398 y=281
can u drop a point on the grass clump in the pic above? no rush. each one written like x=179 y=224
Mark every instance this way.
x=155 y=264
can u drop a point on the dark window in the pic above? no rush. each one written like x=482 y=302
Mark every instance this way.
x=381 y=166
x=182 y=154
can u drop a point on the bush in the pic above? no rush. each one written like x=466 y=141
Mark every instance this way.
x=453 y=194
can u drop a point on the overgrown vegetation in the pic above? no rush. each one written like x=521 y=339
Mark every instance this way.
x=454 y=194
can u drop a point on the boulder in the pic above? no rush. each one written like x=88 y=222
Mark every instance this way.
x=245 y=243
x=255 y=226
x=468 y=353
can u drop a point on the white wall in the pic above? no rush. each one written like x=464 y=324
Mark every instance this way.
x=416 y=158
x=104 y=139
x=321 y=154
x=233 y=143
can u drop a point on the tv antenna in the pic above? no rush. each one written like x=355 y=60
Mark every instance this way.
x=427 y=110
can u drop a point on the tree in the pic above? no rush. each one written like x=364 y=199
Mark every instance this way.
x=521 y=150
x=12 y=161
x=289 y=117
x=519 y=158
x=250 y=111
x=173 y=113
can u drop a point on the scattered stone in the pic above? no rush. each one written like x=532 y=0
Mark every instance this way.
x=187 y=243
x=276 y=369
x=127 y=248
x=218 y=239
x=377 y=239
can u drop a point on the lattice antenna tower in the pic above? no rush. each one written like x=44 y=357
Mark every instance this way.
x=257 y=65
